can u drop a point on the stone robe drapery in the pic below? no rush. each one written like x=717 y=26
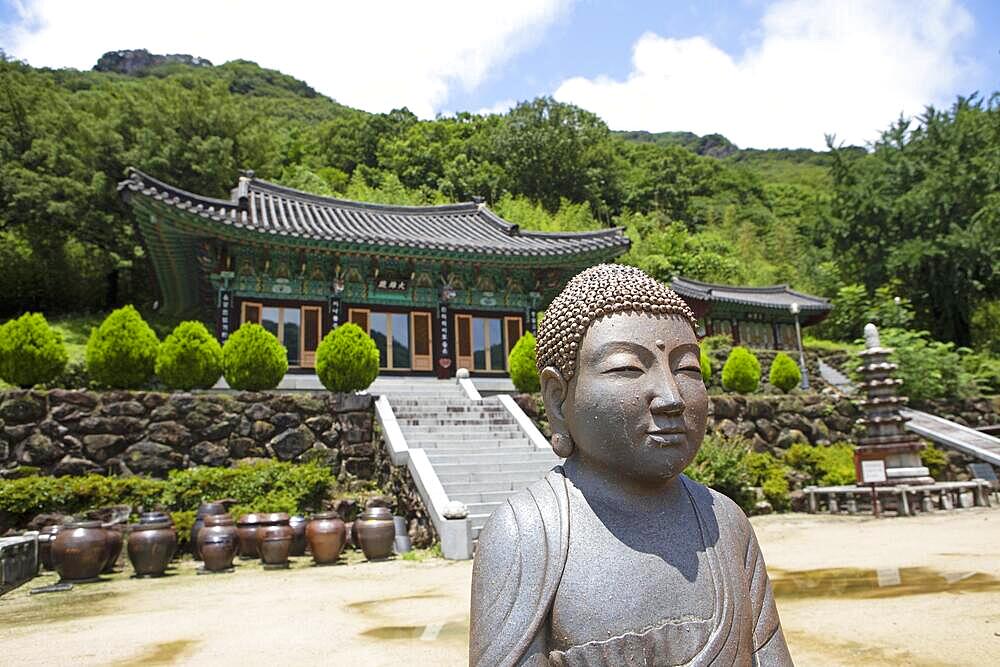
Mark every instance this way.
x=519 y=563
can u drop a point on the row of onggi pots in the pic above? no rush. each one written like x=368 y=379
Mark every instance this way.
x=83 y=550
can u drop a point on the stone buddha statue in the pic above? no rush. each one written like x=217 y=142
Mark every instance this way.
x=615 y=557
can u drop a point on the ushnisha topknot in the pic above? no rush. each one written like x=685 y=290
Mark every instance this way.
x=591 y=294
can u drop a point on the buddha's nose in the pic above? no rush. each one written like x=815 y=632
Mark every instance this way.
x=667 y=402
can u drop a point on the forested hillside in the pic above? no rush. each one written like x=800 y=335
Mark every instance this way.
x=917 y=216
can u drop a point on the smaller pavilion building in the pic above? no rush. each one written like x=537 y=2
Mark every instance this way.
x=437 y=287
x=757 y=317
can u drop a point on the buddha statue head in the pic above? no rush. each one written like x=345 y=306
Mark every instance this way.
x=619 y=364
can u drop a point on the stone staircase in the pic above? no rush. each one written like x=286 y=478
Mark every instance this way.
x=479 y=452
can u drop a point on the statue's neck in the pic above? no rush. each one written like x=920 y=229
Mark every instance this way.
x=607 y=487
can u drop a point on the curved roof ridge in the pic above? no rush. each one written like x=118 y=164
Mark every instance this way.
x=460 y=207
x=588 y=234
x=781 y=287
x=135 y=175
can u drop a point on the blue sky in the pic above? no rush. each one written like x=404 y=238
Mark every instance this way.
x=766 y=73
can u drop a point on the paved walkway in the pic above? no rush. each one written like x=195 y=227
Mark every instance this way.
x=850 y=590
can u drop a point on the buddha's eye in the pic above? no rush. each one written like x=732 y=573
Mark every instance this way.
x=628 y=368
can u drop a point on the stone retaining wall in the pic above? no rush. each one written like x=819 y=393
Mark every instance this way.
x=777 y=422
x=64 y=432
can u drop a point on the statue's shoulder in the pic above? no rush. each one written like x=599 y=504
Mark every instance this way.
x=712 y=503
x=524 y=509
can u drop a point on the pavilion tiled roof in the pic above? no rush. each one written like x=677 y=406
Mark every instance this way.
x=774 y=296
x=260 y=207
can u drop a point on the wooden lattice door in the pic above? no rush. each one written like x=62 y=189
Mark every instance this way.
x=463 y=341
x=312 y=319
x=422 y=356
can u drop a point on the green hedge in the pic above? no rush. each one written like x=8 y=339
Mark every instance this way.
x=263 y=486
x=253 y=359
x=523 y=369
x=31 y=352
x=785 y=373
x=189 y=358
x=121 y=353
x=347 y=359
x=741 y=372
x=706 y=366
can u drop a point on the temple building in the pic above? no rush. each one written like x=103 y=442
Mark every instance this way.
x=757 y=317
x=437 y=287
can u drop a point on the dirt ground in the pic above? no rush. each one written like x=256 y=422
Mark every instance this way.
x=851 y=591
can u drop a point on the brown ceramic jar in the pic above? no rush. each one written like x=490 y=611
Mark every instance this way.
x=217 y=551
x=46 y=536
x=376 y=531
x=274 y=538
x=151 y=545
x=114 y=545
x=326 y=534
x=205 y=509
x=79 y=551
x=155 y=517
x=246 y=529
x=298 y=524
x=220 y=532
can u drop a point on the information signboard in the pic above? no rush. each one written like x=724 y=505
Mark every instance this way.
x=873 y=472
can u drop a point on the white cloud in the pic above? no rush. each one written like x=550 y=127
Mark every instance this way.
x=501 y=107
x=848 y=67
x=373 y=54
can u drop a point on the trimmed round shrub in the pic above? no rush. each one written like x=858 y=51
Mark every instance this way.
x=523 y=371
x=253 y=359
x=189 y=358
x=706 y=366
x=347 y=359
x=121 y=353
x=741 y=372
x=31 y=352
x=785 y=373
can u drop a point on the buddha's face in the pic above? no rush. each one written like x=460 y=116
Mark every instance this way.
x=637 y=405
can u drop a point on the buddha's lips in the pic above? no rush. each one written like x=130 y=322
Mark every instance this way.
x=666 y=438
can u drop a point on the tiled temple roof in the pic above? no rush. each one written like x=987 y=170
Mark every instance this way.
x=774 y=296
x=266 y=208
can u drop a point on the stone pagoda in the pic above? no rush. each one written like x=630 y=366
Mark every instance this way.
x=885 y=437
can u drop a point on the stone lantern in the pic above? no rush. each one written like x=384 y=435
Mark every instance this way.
x=885 y=436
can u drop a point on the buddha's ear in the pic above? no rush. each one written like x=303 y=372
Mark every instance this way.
x=553 y=395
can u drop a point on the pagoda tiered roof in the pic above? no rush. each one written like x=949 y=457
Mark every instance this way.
x=266 y=212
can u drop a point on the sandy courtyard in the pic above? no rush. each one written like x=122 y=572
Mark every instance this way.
x=851 y=591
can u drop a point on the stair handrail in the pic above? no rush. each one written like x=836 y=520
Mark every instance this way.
x=525 y=422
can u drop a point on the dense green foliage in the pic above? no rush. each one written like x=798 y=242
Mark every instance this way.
x=741 y=372
x=121 y=353
x=923 y=209
x=706 y=365
x=785 y=373
x=523 y=369
x=347 y=359
x=824 y=466
x=189 y=358
x=263 y=486
x=935 y=459
x=721 y=464
x=771 y=475
x=31 y=352
x=253 y=359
